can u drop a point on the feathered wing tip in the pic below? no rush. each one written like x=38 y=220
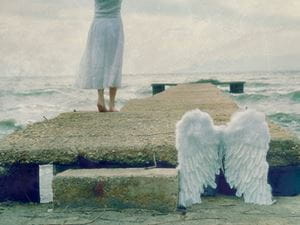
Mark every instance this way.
x=246 y=141
x=197 y=145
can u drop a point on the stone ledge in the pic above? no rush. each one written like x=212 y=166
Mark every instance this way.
x=117 y=188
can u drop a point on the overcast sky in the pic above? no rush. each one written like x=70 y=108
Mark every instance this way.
x=48 y=37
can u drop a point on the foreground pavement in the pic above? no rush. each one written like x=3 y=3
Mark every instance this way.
x=213 y=210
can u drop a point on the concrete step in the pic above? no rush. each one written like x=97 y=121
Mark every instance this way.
x=117 y=188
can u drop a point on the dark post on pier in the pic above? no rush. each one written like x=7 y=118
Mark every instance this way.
x=237 y=87
x=160 y=87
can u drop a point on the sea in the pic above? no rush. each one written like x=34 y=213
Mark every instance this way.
x=28 y=99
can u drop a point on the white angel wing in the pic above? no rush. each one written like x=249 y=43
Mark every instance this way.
x=197 y=144
x=246 y=141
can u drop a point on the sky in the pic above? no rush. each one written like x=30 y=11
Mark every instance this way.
x=39 y=37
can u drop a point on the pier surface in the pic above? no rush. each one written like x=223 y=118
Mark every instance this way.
x=143 y=129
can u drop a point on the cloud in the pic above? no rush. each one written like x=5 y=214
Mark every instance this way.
x=39 y=37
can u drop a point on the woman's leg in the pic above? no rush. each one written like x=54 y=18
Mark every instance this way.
x=112 y=97
x=101 y=101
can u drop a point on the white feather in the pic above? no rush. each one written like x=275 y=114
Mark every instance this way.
x=197 y=144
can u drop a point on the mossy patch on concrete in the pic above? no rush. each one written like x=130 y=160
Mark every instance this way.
x=284 y=152
x=118 y=188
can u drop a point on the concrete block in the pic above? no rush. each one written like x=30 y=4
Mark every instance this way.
x=155 y=189
x=45 y=183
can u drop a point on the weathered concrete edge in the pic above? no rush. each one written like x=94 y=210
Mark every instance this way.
x=156 y=193
x=283 y=152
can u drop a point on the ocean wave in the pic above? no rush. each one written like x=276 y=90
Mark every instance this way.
x=290 y=121
x=291 y=96
x=144 y=91
x=251 y=97
x=285 y=117
x=212 y=81
x=10 y=124
x=258 y=84
x=29 y=93
x=294 y=96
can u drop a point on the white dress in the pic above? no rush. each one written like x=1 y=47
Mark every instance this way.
x=101 y=64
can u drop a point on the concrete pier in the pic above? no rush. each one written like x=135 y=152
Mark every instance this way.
x=143 y=129
x=131 y=137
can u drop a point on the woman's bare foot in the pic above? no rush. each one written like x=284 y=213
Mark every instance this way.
x=101 y=108
x=101 y=101
x=113 y=110
x=112 y=96
x=112 y=107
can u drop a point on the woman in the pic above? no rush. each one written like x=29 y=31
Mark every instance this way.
x=101 y=63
